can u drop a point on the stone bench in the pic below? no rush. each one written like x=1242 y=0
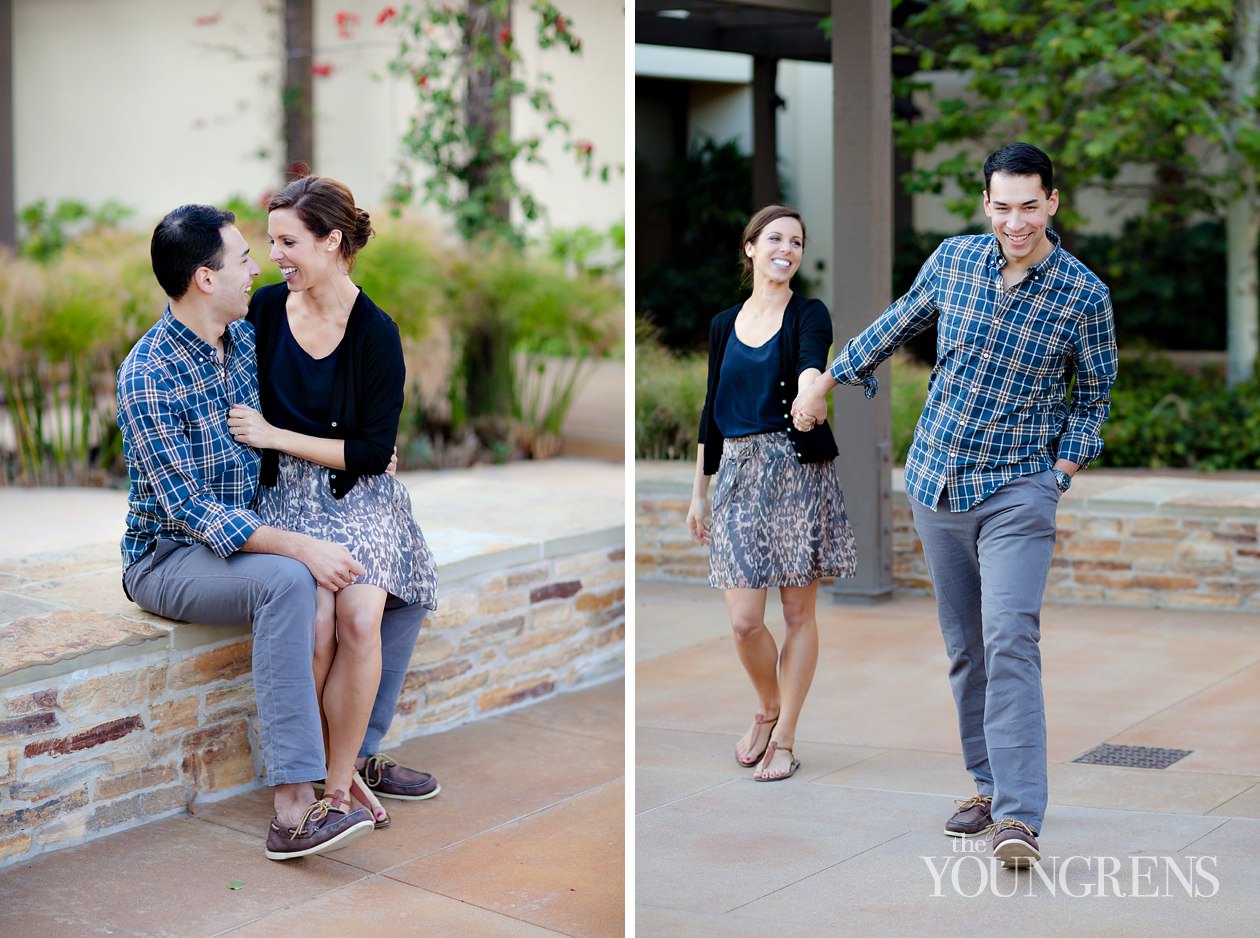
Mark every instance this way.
x=111 y=717
x=1162 y=540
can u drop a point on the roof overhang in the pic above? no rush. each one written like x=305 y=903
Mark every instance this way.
x=781 y=29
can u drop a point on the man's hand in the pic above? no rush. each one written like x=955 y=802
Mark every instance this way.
x=332 y=566
x=248 y=426
x=812 y=402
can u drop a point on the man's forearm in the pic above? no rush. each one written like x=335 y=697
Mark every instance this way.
x=332 y=566
x=269 y=540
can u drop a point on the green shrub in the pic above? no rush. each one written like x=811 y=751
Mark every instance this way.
x=1163 y=417
x=909 y=391
x=668 y=394
x=67 y=321
x=65 y=324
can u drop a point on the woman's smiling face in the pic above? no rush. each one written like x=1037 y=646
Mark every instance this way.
x=776 y=254
x=303 y=259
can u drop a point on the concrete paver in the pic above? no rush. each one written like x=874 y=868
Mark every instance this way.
x=517 y=843
x=853 y=844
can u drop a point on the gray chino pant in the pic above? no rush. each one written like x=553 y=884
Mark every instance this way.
x=191 y=583
x=988 y=567
x=399 y=628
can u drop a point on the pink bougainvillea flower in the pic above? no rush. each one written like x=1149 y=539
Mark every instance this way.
x=385 y=16
x=322 y=69
x=422 y=80
x=505 y=35
x=345 y=21
x=208 y=20
x=561 y=26
x=584 y=147
x=297 y=168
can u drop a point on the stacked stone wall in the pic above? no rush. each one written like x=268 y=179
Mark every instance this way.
x=102 y=748
x=1188 y=545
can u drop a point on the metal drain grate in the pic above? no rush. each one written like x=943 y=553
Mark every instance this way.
x=1138 y=757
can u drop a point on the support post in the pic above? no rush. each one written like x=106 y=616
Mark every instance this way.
x=861 y=62
x=765 y=168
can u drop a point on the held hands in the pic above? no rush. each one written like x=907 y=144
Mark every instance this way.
x=810 y=408
x=696 y=522
x=248 y=426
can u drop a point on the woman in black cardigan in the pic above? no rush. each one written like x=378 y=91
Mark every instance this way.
x=330 y=371
x=778 y=510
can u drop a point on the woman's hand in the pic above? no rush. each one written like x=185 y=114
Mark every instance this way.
x=248 y=426
x=810 y=403
x=802 y=421
x=696 y=519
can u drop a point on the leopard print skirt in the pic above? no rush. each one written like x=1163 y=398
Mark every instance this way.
x=373 y=521
x=776 y=521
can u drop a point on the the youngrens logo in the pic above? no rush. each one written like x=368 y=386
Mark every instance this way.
x=1138 y=877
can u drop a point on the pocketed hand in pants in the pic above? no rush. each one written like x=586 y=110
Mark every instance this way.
x=988 y=567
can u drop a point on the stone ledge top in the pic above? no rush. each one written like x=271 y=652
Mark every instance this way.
x=1177 y=492
x=62 y=607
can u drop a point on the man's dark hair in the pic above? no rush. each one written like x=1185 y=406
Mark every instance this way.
x=187 y=238
x=1020 y=159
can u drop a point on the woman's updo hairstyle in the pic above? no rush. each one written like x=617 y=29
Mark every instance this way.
x=325 y=205
x=756 y=225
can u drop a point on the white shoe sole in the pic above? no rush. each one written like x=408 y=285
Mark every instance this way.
x=336 y=843
x=1016 y=853
x=425 y=797
x=979 y=833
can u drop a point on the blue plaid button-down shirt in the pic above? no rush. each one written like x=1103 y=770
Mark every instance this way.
x=997 y=404
x=190 y=481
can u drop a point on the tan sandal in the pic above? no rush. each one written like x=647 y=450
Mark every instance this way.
x=760 y=776
x=752 y=759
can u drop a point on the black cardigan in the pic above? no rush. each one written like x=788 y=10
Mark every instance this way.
x=367 y=385
x=804 y=340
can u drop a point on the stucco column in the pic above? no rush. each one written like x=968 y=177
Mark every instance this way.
x=862 y=146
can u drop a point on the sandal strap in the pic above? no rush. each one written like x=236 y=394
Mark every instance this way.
x=771 y=750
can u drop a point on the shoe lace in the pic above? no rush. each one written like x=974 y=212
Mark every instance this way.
x=316 y=812
x=374 y=769
x=1008 y=822
x=975 y=801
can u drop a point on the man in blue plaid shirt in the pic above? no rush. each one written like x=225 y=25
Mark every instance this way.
x=194 y=550
x=1019 y=321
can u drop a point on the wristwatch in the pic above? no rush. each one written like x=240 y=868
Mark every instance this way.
x=1062 y=480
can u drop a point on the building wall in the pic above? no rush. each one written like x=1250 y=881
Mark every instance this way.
x=153 y=103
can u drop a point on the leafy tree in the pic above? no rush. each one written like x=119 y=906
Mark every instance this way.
x=462 y=61
x=1170 y=86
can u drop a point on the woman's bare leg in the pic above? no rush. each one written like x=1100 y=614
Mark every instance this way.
x=760 y=657
x=352 y=680
x=325 y=649
x=797 y=665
